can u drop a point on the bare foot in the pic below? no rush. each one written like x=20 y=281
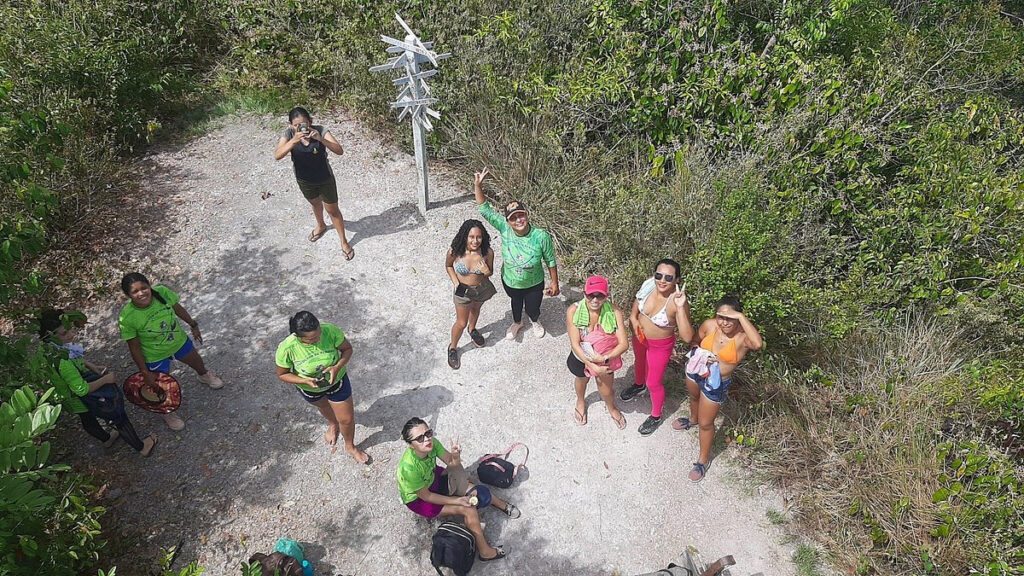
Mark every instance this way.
x=358 y=455
x=147 y=445
x=331 y=438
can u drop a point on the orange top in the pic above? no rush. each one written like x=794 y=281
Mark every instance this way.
x=727 y=354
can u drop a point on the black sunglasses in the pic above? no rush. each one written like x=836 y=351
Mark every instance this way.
x=422 y=437
x=665 y=277
x=596 y=296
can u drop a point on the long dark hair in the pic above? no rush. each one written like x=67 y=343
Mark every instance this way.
x=302 y=323
x=407 y=429
x=459 y=242
x=299 y=112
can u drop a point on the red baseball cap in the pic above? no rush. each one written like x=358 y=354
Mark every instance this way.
x=596 y=285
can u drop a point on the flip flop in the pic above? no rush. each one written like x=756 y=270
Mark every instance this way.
x=350 y=254
x=620 y=421
x=697 y=474
x=580 y=417
x=501 y=554
x=313 y=236
x=682 y=423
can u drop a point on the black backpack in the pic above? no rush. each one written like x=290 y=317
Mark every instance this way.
x=453 y=547
x=496 y=470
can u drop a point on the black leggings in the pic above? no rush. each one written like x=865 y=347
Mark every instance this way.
x=530 y=296
x=124 y=427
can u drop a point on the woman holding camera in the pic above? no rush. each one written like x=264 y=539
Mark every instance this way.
x=469 y=263
x=314 y=358
x=308 y=145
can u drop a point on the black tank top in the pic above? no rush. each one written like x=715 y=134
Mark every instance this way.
x=310 y=161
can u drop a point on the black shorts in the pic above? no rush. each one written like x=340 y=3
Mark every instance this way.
x=576 y=366
x=326 y=190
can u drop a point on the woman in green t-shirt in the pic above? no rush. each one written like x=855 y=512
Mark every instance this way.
x=314 y=358
x=431 y=491
x=149 y=325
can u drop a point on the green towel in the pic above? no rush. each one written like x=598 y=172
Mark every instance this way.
x=606 y=319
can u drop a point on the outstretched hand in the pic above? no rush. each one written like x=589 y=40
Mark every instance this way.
x=479 y=177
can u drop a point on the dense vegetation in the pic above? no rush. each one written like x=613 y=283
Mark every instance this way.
x=854 y=169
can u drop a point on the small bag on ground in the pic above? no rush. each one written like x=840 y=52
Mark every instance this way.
x=497 y=471
x=453 y=547
x=276 y=564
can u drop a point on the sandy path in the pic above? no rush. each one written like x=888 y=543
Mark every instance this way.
x=251 y=466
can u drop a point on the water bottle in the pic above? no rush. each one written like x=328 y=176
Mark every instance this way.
x=307 y=568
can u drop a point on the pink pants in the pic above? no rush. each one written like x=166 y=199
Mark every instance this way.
x=652 y=358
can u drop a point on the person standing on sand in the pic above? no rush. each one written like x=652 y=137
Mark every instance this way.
x=314 y=358
x=149 y=325
x=597 y=337
x=658 y=310
x=308 y=145
x=470 y=264
x=524 y=249
x=725 y=340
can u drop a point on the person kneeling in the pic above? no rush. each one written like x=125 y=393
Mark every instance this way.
x=431 y=490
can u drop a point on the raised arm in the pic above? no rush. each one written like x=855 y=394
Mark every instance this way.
x=329 y=141
x=285 y=145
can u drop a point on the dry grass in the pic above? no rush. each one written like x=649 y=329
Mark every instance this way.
x=853 y=438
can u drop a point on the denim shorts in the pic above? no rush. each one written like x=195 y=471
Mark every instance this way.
x=716 y=395
x=164 y=365
x=338 y=393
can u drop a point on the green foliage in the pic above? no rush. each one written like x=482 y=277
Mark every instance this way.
x=46 y=524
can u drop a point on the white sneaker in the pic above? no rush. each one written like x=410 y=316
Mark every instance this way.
x=211 y=380
x=513 y=330
x=538 y=329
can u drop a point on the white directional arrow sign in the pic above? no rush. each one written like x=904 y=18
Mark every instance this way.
x=414 y=96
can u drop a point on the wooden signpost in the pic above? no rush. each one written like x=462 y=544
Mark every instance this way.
x=414 y=97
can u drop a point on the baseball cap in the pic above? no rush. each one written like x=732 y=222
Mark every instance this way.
x=596 y=285
x=513 y=207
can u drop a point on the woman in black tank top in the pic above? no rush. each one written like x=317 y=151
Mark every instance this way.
x=308 y=145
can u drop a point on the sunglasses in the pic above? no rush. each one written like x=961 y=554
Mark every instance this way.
x=665 y=277
x=596 y=296
x=517 y=216
x=423 y=437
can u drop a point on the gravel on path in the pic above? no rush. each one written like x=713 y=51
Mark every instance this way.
x=251 y=465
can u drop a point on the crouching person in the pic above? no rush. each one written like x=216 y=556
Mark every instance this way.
x=431 y=490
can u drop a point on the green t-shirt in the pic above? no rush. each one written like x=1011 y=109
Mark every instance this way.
x=156 y=325
x=415 y=473
x=304 y=359
x=521 y=256
x=69 y=384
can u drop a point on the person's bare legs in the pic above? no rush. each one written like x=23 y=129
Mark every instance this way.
x=474 y=315
x=462 y=312
x=345 y=416
x=195 y=362
x=471 y=518
x=693 y=391
x=318 y=214
x=331 y=435
x=581 y=401
x=707 y=413
x=605 y=386
x=339 y=225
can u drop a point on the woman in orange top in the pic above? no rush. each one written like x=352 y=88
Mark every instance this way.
x=728 y=337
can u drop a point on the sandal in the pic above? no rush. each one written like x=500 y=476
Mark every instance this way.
x=620 y=421
x=477 y=337
x=501 y=554
x=114 y=435
x=581 y=417
x=697 y=474
x=350 y=253
x=512 y=511
x=314 y=235
x=682 y=423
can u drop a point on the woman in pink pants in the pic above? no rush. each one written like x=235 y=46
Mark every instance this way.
x=659 y=309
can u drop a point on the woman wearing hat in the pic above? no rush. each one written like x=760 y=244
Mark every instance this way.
x=659 y=311
x=597 y=335
x=469 y=263
x=525 y=251
x=314 y=358
x=724 y=340
x=149 y=325
x=76 y=378
x=308 y=145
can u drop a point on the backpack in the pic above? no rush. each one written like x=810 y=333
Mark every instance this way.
x=453 y=547
x=276 y=564
x=496 y=470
